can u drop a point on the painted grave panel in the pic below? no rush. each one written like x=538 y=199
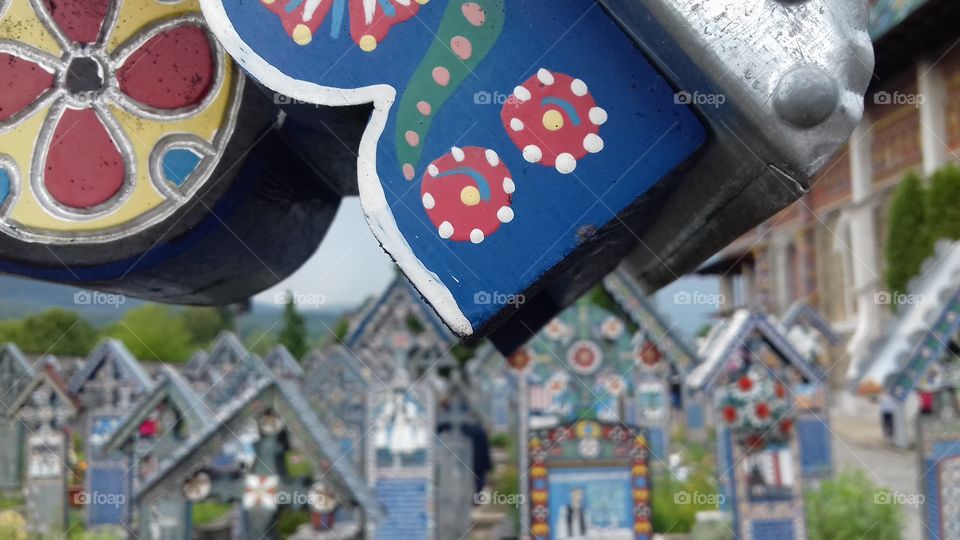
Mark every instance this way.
x=11 y=454
x=16 y=374
x=400 y=458
x=108 y=385
x=580 y=367
x=336 y=383
x=287 y=431
x=46 y=482
x=759 y=455
x=939 y=449
x=150 y=436
x=589 y=480
x=46 y=409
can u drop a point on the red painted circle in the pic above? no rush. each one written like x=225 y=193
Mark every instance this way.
x=557 y=105
x=467 y=190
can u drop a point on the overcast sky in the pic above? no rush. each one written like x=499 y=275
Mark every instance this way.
x=350 y=266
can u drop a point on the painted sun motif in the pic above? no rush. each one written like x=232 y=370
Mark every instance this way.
x=554 y=120
x=370 y=20
x=467 y=194
x=112 y=114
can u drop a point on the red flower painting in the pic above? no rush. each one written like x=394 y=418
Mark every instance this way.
x=83 y=154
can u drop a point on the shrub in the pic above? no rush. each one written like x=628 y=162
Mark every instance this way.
x=675 y=503
x=12 y=525
x=943 y=204
x=908 y=244
x=845 y=508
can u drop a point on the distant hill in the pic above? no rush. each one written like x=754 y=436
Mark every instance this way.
x=20 y=298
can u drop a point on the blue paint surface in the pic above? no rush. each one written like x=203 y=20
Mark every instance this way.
x=406 y=503
x=695 y=419
x=4 y=184
x=178 y=164
x=657 y=441
x=606 y=499
x=646 y=137
x=108 y=494
x=815 y=452
x=773 y=529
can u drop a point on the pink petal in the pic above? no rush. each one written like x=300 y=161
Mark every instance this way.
x=84 y=168
x=21 y=83
x=173 y=70
x=80 y=20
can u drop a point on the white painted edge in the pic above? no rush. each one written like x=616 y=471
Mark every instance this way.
x=372 y=198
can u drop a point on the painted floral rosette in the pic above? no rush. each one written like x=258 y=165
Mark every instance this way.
x=113 y=114
x=756 y=408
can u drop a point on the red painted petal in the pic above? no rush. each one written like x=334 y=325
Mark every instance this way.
x=84 y=167
x=80 y=20
x=370 y=29
x=21 y=83
x=173 y=70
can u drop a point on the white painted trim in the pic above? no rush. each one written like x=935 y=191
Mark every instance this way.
x=372 y=198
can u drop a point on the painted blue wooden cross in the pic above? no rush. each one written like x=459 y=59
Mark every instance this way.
x=513 y=148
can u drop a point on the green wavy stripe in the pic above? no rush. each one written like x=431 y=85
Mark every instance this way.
x=422 y=86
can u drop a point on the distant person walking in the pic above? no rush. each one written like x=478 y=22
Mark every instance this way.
x=887 y=408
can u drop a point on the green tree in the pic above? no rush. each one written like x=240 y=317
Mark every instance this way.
x=340 y=329
x=908 y=243
x=943 y=204
x=293 y=334
x=260 y=341
x=58 y=332
x=154 y=332
x=204 y=324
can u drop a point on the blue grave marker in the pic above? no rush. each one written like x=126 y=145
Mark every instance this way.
x=110 y=382
x=400 y=455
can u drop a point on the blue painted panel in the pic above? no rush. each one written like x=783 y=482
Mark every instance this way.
x=941 y=450
x=657 y=439
x=179 y=164
x=781 y=529
x=932 y=502
x=728 y=481
x=815 y=448
x=605 y=493
x=646 y=133
x=406 y=503
x=107 y=494
x=695 y=416
x=4 y=184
